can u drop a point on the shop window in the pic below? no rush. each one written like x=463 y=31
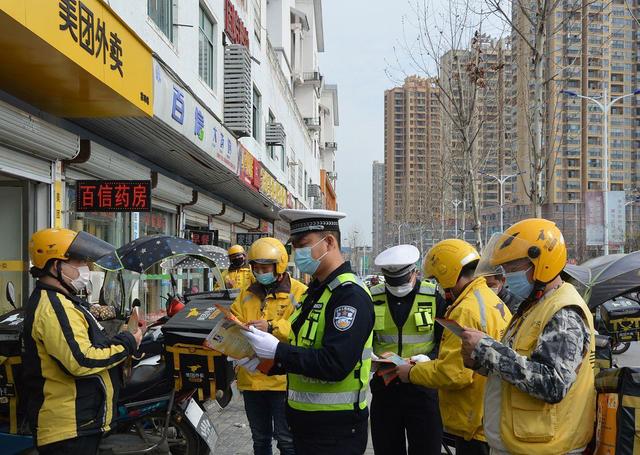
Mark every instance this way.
x=161 y=13
x=206 y=55
x=112 y=227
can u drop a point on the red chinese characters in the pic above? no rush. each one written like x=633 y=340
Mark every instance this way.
x=113 y=196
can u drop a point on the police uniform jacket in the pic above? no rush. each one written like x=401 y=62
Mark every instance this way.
x=341 y=351
x=70 y=367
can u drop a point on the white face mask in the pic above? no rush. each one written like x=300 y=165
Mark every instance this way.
x=496 y=290
x=84 y=277
x=400 y=291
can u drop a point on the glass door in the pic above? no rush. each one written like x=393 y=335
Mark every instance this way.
x=12 y=246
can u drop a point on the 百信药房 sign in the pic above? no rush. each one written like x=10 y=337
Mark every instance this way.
x=113 y=195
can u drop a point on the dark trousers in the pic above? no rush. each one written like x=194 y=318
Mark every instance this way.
x=401 y=413
x=266 y=414
x=473 y=447
x=326 y=442
x=83 y=445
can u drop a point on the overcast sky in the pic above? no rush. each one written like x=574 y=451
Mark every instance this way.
x=359 y=38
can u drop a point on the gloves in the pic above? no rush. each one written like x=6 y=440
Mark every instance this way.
x=264 y=344
x=248 y=363
x=420 y=358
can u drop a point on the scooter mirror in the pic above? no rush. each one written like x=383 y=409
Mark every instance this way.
x=11 y=294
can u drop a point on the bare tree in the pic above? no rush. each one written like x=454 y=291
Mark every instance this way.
x=533 y=23
x=450 y=48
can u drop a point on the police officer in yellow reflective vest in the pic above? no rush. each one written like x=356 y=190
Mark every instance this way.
x=405 y=311
x=328 y=359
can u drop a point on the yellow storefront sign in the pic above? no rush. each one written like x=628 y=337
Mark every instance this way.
x=273 y=189
x=12 y=266
x=74 y=58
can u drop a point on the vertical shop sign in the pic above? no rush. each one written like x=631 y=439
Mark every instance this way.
x=57 y=196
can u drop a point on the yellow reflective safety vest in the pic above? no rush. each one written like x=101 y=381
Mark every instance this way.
x=529 y=425
x=310 y=394
x=417 y=335
x=238 y=278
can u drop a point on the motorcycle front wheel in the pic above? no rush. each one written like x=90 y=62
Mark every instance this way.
x=182 y=438
x=620 y=347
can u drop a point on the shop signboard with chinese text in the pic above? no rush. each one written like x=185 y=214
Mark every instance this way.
x=249 y=169
x=203 y=236
x=247 y=239
x=233 y=25
x=617 y=228
x=272 y=189
x=113 y=195
x=94 y=54
x=178 y=108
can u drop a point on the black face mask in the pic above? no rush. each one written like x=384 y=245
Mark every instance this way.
x=236 y=263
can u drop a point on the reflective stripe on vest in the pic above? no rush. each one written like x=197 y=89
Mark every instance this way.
x=328 y=398
x=483 y=310
x=409 y=339
x=310 y=394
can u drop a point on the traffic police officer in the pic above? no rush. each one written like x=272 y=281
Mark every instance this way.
x=239 y=275
x=328 y=359
x=405 y=311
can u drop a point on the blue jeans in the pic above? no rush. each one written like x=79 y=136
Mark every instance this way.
x=266 y=413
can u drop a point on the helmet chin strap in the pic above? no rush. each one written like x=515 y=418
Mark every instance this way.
x=536 y=294
x=60 y=278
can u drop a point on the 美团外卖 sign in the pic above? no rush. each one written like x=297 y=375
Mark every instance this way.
x=90 y=36
x=113 y=195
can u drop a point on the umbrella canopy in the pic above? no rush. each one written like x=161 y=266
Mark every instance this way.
x=607 y=277
x=211 y=256
x=142 y=253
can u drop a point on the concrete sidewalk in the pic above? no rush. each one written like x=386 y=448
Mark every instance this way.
x=233 y=428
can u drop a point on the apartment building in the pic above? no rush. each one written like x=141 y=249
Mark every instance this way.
x=377 y=204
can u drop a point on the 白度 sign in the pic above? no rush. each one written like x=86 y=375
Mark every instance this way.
x=113 y=195
x=233 y=26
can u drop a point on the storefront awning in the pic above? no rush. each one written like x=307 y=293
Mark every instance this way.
x=74 y=59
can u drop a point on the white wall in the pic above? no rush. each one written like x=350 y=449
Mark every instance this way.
x=181 y=56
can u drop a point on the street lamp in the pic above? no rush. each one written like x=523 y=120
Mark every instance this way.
x=605 y=107
x=456 y=203
x=501 y=181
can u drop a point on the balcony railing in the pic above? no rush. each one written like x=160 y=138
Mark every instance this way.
x=313 y=123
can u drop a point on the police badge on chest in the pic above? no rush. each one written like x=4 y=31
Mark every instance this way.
x=343 y=317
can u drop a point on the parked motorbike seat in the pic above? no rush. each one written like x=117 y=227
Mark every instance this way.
x=147 y=381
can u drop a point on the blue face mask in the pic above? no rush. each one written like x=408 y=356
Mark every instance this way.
x=265 y=278
x=519 y=284
x=305 y=261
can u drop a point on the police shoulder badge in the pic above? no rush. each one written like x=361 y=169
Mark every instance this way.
x=343 y=317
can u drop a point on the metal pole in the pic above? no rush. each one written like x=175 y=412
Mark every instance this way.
x=607 y=106
x=502 y=180
x=464 y=218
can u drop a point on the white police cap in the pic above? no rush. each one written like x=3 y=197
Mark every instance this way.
x=303 y=221
x=398 y=260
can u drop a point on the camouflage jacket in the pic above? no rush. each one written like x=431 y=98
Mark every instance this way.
x=551 y=370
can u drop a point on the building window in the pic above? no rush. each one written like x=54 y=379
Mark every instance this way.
x=206 y=60
x=161 y=12
x=257 y=100
x=271 y=149
x=257 y=19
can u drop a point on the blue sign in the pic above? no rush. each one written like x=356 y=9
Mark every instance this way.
x=177 y=110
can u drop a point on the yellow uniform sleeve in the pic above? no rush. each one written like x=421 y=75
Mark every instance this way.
x=282 y=327
x=236 y=307
x=64 y=331
x=448 y=370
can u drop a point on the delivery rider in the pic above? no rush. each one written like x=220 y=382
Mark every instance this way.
x=71 y=369
x=328 y=359
x=267 y=305
x=452 y=263
x=540 y=395
x=239 y=275
x=405 y=310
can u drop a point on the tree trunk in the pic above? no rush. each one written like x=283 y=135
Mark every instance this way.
x=538 y=162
